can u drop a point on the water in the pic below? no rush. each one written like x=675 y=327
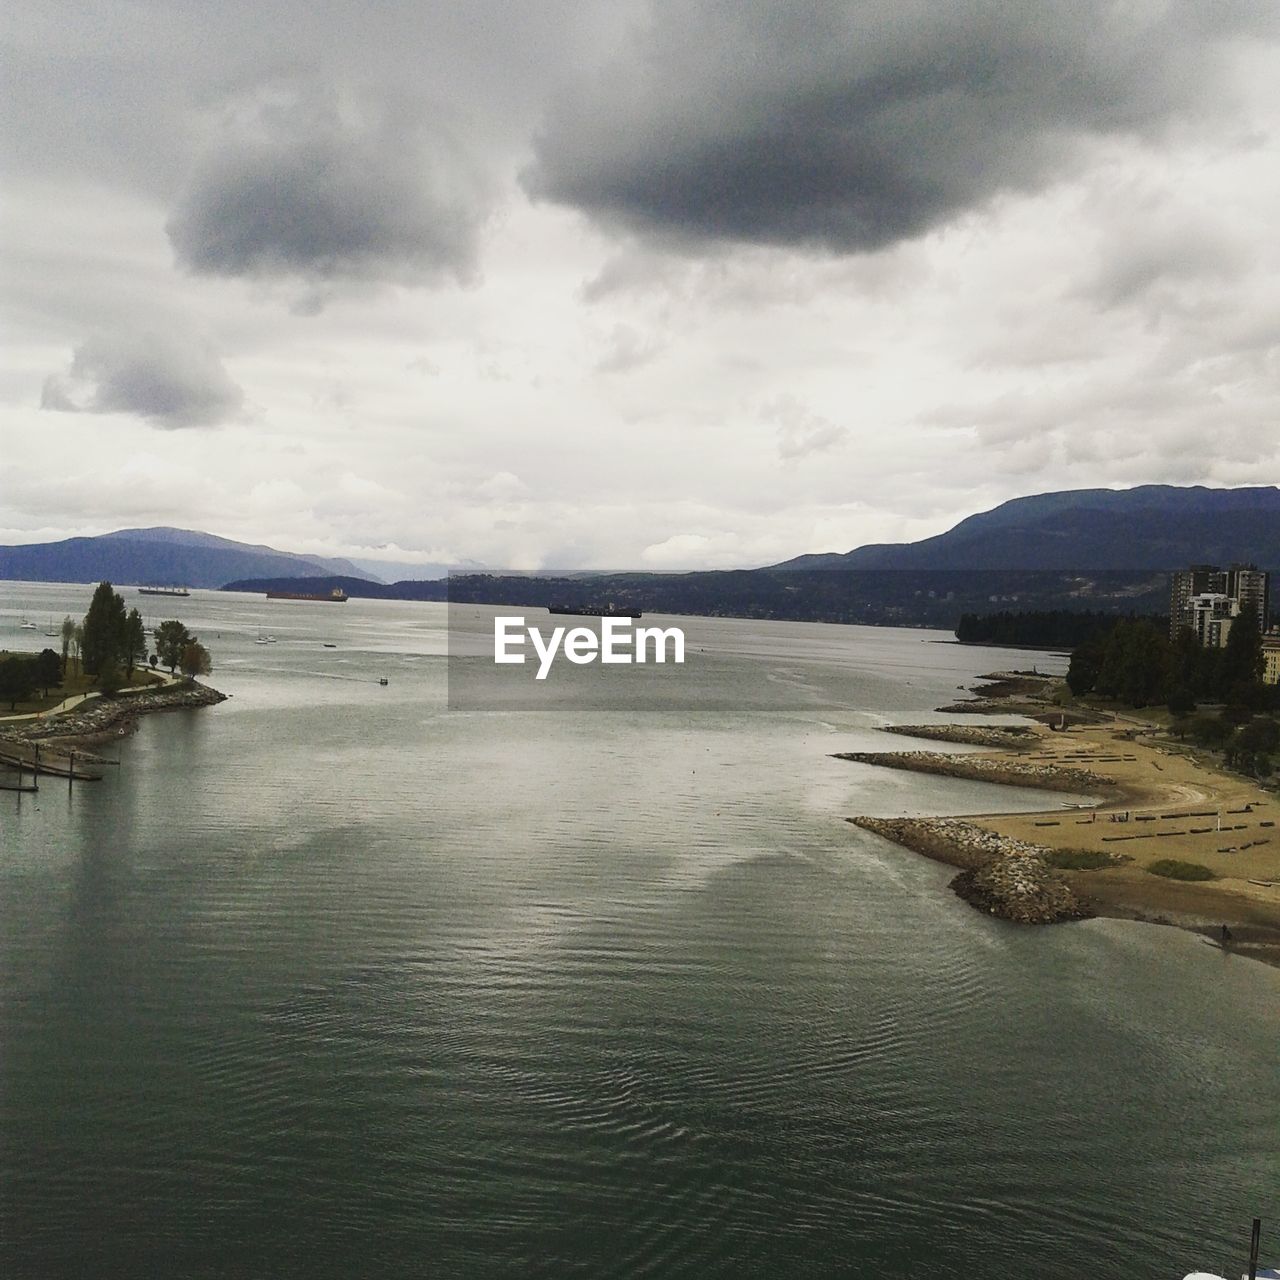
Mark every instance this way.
x=332 y=981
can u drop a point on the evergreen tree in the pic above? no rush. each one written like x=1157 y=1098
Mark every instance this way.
x=1241 y=661
x=105 y=630
x=68 y=636
x=1086 y=662
x=17 y=679
x=135 y=641
x=48 y=670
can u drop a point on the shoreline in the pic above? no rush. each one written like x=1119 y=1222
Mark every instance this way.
x=105 y=719
x=1157 y=804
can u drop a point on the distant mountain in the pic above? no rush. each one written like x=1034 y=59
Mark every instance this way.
x=1154 y=526
x=401 y=570
x=161 y=556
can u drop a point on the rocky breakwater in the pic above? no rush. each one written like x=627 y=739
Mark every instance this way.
x=1005 y=693
x=1017 y=773
x=1004 y=877
x=1010 y=737
x=102 y=719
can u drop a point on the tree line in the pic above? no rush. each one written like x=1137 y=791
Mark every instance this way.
x=1136 y=663
x=1044 y=628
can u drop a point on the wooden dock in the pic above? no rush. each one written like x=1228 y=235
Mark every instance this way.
x=37 y=759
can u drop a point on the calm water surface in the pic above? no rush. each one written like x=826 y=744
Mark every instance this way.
x=333 y=981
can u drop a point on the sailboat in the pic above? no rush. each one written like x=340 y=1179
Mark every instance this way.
x=24 y=625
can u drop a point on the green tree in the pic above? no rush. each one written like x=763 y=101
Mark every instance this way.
x=1259 y=737
x=1187 y=662
x=1209 y=731
x=1241 y=661
x=105 y=628
x=1135 y=663
x=135 y=641
x=17 y=679
x=171 y=639
x=195 y=660
x=1182 y=702
x=110 y=676
x=1086 y=662
x=48 y=670
x=68 y=636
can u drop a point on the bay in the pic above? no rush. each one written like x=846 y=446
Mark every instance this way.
x=333 y=981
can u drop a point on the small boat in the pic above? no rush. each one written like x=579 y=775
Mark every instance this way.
x=1255 y=1272
x=261 y=639
x=327 y=645
x=24 y=625
x=384 y=680
x=271 y=639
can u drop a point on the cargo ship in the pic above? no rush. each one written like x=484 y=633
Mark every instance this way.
x=180 y=592
x=336 y=596
x=594 y=611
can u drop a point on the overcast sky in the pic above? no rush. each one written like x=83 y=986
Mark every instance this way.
x=665 y=285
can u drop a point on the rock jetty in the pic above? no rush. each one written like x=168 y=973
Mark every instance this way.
x=1004 y=693
x=1012 y=737
x=1017 y=773
x=1004 y=877
x=102 y=719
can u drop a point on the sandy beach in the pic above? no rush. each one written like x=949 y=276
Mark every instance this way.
x=1156 y=802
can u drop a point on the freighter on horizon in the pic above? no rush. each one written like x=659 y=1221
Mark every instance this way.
x=163 y=591
x=336 y=596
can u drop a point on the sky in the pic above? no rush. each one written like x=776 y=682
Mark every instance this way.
x=628 y=285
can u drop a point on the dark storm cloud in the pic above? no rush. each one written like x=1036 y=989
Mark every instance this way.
x=854 y=125
x=170 y=382
x=315 y=185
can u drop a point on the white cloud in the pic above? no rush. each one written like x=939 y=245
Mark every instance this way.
x=592 y=398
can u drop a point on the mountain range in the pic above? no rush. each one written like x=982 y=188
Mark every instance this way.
x=1153 y=526
x=161 y=556
x=1086 y=548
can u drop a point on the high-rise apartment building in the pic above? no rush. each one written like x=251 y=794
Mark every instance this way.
x=1247 y=586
